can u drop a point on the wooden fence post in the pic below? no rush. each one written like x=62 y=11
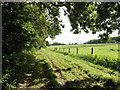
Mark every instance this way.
x=63 y=49
x=69 y=50
x=76 y=50
x=91 y=50
x=55 y=49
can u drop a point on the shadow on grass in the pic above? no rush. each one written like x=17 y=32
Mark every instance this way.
x=107 y=62
x=38 y=76
x=43 y=74
x=16 y=66
x=88 y=84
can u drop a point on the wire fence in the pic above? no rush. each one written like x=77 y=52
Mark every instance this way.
x=75 y=50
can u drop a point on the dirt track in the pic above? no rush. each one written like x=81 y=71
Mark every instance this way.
x=57 y=71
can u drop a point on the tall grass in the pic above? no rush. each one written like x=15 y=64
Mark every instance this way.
x=80 y=73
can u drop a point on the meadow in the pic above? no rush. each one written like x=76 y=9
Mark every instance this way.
x=110 y=50
x=79 y=68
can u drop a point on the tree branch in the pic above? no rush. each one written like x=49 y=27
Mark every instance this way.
x=58 y=5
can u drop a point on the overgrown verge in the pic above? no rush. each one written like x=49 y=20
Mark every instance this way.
x=15 y=68
x=98 y=60
x=27 y=62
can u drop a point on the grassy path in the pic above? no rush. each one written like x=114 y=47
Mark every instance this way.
x=83 y=74
x=40 y=75
x=36 y=78
x=58 y=70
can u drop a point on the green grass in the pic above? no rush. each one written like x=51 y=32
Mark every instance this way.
x=108 y=50
x=104 y=54
x=99 y=60
x=43 y=70
x=40 y=74
x=80 y=73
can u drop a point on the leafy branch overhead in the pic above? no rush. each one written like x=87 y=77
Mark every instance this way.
x=92 y=16
x=31 y=23
x=95 y=17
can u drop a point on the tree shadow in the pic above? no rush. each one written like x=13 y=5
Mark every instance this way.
x=88 y=84
x=17 y=65
x=43 y=74
x=25 y=67
x=103 y=61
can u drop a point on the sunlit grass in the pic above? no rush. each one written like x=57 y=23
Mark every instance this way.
x=110 y=50
x=73 y=69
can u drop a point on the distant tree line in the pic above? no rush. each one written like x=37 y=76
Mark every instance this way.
x=56 y=43
x=111 y=40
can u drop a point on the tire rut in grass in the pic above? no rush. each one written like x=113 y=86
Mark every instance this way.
x=36 y=77
x=57 y=71
x=29 y=75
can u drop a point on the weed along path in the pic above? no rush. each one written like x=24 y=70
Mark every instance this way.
x=56 y=70
x=29 y=76
x=41 y=75
x=78 y=73
x=36 y=78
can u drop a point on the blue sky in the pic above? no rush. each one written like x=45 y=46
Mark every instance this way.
x=68 y=37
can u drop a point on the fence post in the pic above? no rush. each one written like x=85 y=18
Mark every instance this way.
x=76 y=50
x=63 y=49
x=69 y=50
x=91 y=50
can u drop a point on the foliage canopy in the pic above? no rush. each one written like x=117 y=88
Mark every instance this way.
x=27 y=25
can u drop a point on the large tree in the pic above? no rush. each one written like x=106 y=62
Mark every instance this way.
x=27 y=25
x=24 y=26
x=22 y=21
